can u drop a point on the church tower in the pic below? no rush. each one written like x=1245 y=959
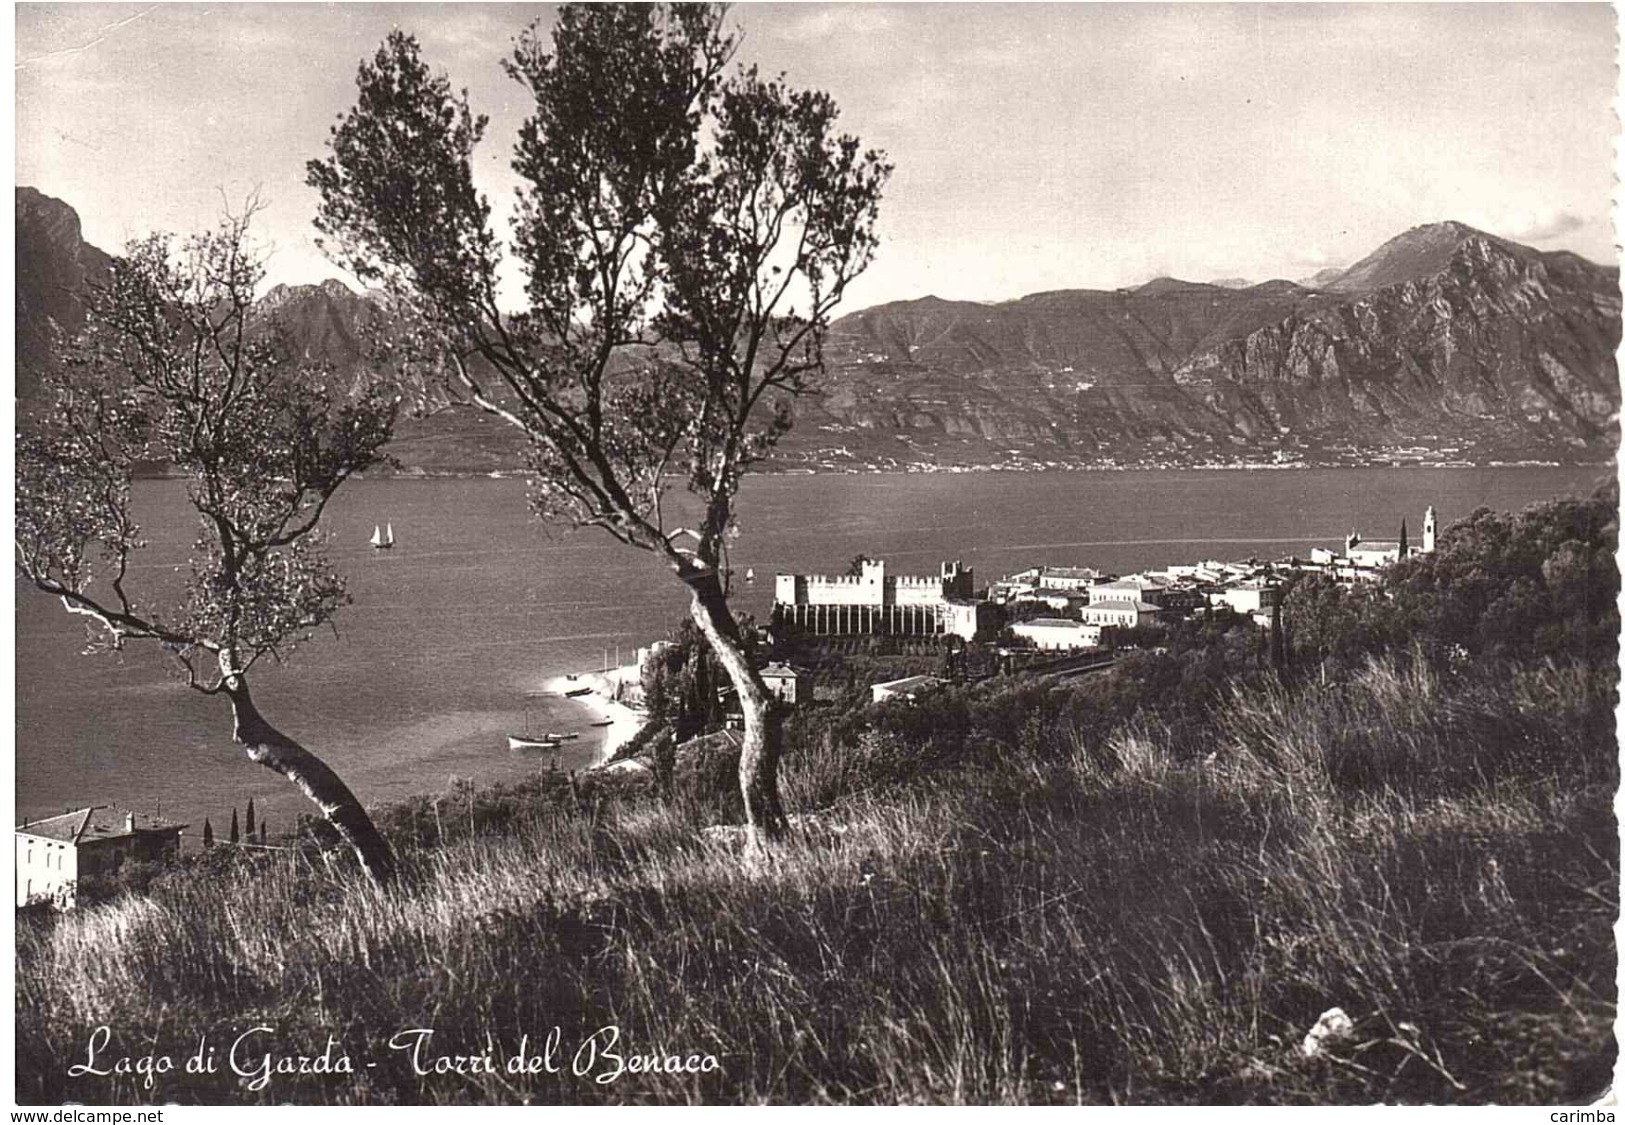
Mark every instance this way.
x=1430 y=527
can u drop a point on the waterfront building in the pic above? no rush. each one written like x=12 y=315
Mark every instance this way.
x=54 y=854
x=873 y=602
x=1066 y=577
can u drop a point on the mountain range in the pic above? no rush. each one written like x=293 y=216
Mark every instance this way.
x=1445 y=344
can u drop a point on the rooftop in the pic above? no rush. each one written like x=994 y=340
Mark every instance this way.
x=908 y=683
x=1131 y=583
x=99 y=822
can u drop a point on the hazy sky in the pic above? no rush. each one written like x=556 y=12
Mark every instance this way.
x=1037 y=146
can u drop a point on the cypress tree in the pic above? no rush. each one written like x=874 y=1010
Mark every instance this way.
x=235 y=838
x=248 y=820
x=1404 y=543
x=262 y=831
x=208 y=834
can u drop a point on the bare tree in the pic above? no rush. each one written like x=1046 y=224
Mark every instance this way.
x=178 y=365
x=684 y=234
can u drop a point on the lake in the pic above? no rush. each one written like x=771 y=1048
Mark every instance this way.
x=478 y=604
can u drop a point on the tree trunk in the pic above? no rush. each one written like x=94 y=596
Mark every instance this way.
x=759 y=755
x=315 y=779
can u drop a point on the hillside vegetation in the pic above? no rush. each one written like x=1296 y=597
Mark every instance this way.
x=1145 y=887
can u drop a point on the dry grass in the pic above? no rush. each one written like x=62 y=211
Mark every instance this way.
x=1094 y=920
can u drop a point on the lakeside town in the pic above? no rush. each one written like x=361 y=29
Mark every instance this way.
x=1043 y=620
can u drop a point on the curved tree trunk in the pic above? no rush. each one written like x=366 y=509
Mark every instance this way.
x=759 y=756
x=315 y=779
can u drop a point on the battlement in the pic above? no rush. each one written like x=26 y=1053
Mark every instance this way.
x=874 y=587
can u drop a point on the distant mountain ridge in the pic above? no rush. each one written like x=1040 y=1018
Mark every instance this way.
x=1445 y=343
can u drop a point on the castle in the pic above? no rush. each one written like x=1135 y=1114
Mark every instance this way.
x=875 y=603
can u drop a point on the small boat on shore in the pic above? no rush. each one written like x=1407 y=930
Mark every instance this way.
x=528 y=741
x=576 y=693
x=565 y=736
x=601 y=723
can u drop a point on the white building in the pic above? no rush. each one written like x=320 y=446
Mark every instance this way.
x=1059 y=634
x=1246 y=597
x=55 y=853
x=788 y=684
x=1067 y=577
x=1134 y=588
x=1121 y=614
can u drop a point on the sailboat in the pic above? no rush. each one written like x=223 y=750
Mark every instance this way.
x=526 y=742
x=750 y=574
x=383 y=538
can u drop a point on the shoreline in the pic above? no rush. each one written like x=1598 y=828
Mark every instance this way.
x=918 y=468
x=601 y=704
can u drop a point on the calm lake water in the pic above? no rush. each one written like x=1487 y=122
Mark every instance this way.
x=478 y=604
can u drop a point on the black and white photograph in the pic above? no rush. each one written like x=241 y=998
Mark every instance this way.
x=815 y=554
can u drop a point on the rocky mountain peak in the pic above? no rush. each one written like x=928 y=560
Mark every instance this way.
x=1418 y=253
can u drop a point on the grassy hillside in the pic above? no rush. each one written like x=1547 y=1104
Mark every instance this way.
x=1142 y=889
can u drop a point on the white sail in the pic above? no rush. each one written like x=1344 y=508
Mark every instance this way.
x=377 y=536
x=389 y=535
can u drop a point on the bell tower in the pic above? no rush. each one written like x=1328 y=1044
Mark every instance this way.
x=1430 y=528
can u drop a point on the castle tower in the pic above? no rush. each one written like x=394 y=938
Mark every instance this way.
x=872 y=581
x=1430 y=527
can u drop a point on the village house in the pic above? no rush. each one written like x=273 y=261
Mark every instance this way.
x=788 y=684
x=1063 y=604
x=1134 y=588
x=1078 y=578
x=1247 y=597
x=1120 y=614
x=56 y=853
